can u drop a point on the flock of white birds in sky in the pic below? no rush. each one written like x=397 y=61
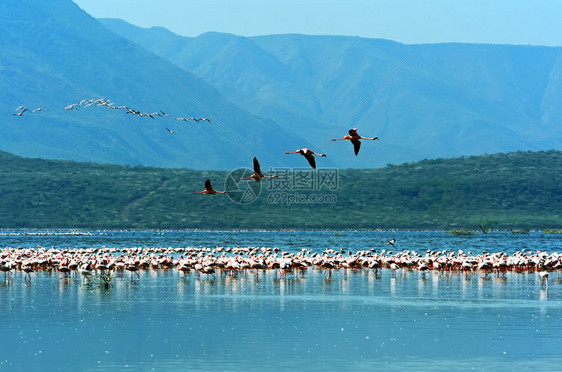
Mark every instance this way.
x=352 y=136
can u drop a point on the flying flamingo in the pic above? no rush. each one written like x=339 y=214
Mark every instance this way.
x=209 y=189
x=309 y=155
x=354 y=138
x=21 y=112
x=258 y=175
x=201 y=119
x=391 y=242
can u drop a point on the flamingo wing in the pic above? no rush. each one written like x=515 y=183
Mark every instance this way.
x=257 y=169
x=208 y=185
x=311 y=160
x=353 y=132
x=356 y=146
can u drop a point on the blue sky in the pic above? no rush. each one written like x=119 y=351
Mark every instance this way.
x=409 y=21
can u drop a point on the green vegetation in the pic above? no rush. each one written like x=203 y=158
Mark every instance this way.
x=552 y=231
x=516 y=190
x=520 y=231
x=461 y=232
x=102 y=280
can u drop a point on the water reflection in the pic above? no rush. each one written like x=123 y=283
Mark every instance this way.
x=417 y=241
x=354 y=319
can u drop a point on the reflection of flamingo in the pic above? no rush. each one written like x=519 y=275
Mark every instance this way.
x=544 y=279
x=309 y=155
x=258 y=175
x=209 y=189
x=354 y=138
x=394 y=267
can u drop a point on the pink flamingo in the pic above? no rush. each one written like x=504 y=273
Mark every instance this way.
x=209 y=189
x=133 y=269
x=354 y=138
x=28 y=270
x=258 y=175
x=64 y=270
x=309 y=155
x=6 y=267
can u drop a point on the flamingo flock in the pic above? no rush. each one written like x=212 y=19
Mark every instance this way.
x=308 y=154
x=104 y=102
x=255 y=260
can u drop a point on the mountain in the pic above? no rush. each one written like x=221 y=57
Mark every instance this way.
x=515 y=190
x=423 y=101
x=55 y=55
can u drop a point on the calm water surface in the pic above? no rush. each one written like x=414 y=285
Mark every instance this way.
x=353 y=320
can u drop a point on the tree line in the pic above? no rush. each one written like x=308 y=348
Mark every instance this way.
x=506 y=191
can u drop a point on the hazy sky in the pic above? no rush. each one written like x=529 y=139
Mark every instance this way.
x=537 y=22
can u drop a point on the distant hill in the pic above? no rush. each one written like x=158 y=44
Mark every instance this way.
x=55 y=55
x=515 y=190
x=447 y=100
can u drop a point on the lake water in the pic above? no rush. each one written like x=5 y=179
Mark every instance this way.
x=353 y=320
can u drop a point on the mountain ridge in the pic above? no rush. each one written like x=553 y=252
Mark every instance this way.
x=60 y=55
x=448 y=99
